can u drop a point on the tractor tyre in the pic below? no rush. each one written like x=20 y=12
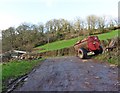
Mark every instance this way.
x=82 y=53
x=99 y=51
x=96 y=52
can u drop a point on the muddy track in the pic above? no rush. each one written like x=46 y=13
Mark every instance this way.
x=71 y=74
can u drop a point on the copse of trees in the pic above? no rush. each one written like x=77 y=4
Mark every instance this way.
x=27 y=36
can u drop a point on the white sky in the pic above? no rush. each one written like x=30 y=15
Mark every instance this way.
x=15 y=12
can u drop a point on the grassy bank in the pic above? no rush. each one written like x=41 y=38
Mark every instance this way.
x=68 y=43
x=15 y=69
x=58 y=45
x=108 y=57
x=111 y=56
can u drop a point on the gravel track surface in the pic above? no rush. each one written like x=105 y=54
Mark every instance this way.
x=71 y=74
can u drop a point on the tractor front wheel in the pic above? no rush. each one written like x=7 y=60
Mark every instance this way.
x=82 y=53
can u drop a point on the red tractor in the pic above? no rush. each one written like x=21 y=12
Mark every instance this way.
x=89 y=44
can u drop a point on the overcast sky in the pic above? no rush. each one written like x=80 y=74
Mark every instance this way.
x=15 y=12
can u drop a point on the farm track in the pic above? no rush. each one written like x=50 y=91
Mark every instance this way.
x=71 y=74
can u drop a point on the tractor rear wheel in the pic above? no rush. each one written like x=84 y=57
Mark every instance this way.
x=82 y=53
x=99 y=51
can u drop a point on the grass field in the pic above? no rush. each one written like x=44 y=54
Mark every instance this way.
x=68 y=43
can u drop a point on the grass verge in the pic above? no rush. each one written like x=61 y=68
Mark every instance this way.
x=106 y=57
x=112 y=56
x=15 y=69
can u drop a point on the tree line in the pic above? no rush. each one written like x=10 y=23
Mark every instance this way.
x=27 y=36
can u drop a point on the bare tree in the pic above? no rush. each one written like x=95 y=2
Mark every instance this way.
x=92 y=23
x=77 y=25
x=101 y=23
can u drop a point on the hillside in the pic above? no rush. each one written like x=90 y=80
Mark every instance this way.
x=68 y=43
